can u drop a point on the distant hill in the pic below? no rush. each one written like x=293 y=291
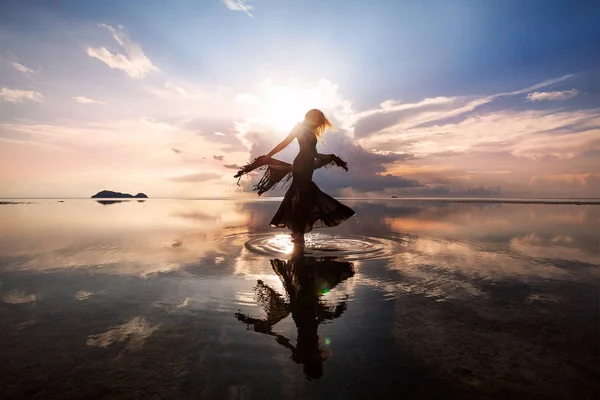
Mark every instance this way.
x=109 y=194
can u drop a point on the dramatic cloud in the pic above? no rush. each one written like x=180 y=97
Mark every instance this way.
x=21 y=68
x=85 y=100
x=530 y=134
x=441 y=142
x=564 y=95
x=18 y=96
x=197 y=177
x=275 y=117
x=134 y=62
x=367 y=172
x=394 y=117
x=448 y=127
x=238 y=5
x=431 y=147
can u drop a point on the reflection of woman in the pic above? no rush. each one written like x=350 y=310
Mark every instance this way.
x=304 y=206
x=305 y=280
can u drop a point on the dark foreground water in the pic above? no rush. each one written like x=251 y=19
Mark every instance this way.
x=200 y=299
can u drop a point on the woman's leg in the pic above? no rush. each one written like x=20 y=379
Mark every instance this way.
x=301 y=205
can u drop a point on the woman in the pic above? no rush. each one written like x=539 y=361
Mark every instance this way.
x=304 y=206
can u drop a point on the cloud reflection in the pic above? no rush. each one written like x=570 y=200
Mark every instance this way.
x=135 y=332
x=19 y=296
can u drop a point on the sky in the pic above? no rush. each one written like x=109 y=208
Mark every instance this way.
x=431 y=98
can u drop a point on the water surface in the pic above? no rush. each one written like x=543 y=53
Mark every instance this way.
x=200 y=299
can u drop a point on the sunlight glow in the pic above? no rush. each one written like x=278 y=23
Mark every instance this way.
x=282 y=243
x=284 y=105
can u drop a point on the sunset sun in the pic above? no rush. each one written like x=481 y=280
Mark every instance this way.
x=281 y=106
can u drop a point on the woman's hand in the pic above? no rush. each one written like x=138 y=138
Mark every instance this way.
x=339 y=162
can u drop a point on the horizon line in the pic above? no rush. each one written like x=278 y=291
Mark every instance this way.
x=533 y=200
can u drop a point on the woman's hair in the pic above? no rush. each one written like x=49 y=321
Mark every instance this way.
x=319 y=120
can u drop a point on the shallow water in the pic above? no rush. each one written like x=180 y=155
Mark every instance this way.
x=200 y=299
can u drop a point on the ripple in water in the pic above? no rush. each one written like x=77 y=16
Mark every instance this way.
x=324 y=245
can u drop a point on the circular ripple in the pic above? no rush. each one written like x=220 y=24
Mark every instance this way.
x=324 y=245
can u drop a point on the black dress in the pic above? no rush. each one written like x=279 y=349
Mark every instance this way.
x=304 y=205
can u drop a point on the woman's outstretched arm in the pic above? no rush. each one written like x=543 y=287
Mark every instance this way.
x=326 y=159
x=324 y=156
x=284 y=143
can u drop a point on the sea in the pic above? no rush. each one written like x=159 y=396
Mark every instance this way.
x=201 y=299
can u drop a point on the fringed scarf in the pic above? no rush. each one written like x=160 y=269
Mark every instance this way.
x=281 y=172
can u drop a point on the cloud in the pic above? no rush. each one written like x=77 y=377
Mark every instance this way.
x=197 y=177
x=177 y=89
x=181 y=96
x=589 y=181
x=219 y=158
x=18 y=96
x=482 y=191
x=134 y=62
x=238 y=5
x=367 y=171
x=529 y=133
x=564 y=95
x=80 y=157
x=232 y=166
x=216 y=130
x=447 y=126
x=445 y=142
x=394 y=117
x=540 y=85
x=22 y=68
x=85 y=100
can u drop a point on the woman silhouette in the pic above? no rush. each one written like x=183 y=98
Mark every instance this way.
x=304 y=205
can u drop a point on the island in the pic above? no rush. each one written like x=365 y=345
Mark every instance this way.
x=109 y=194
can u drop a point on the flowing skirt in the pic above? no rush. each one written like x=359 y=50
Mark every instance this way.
x=305 y=207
